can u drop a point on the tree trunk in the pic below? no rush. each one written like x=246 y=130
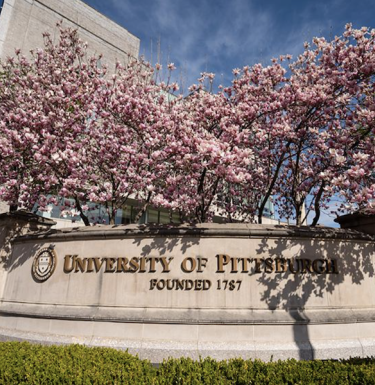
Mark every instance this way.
x=84 y=218
x=260 y=216
x=13 y=208
x=81 y=213
x=272 y=184
x=111 y=214
x=143 y=209
x=317 y=205
x=298 y=214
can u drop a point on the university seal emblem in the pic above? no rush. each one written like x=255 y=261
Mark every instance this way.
x=44 y=264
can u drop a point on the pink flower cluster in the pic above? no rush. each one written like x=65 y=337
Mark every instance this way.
x=298 y=132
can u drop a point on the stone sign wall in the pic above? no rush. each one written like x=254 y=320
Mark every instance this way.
x=218 y=290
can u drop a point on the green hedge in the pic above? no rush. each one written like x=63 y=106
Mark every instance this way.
x=24 y=363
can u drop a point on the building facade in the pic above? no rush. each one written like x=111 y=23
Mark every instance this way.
x=22 y=23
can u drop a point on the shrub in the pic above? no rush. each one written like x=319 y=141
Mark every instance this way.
x=24 y=363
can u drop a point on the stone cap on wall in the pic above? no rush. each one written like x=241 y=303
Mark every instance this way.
x=19 y=222
x=361 y=221
x=235 y=230
x=26 y=216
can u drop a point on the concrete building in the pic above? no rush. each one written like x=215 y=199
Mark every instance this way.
x=22 y=23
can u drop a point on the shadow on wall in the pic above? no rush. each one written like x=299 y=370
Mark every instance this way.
x=167 y=245
x=13 y=225
x=24 y=252
x=294 y=291
x=301 y=289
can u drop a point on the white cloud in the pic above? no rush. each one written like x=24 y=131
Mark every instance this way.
x=220 y=35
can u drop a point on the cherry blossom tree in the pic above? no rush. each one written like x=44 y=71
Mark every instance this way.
x=70 y=129
x=332 y=112
x=312 y=120
x=132 y=141
x=46 y=103
x=299 y=132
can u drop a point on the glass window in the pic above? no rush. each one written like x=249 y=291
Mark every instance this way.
x=153 y=216
x=164 y=217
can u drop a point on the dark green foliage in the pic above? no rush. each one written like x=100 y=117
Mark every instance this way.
x=238 y=371
x=24 y=363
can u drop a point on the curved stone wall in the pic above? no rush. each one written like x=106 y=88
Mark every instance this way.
x=219 y=290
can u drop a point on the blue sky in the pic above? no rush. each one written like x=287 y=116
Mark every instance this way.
x=219 y=35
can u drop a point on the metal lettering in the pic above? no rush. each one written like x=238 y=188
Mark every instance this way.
x=80 y=264
x=110 y=265
x=222 y=259
x=165 y=264
x=192 y=262
x=67 y=259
